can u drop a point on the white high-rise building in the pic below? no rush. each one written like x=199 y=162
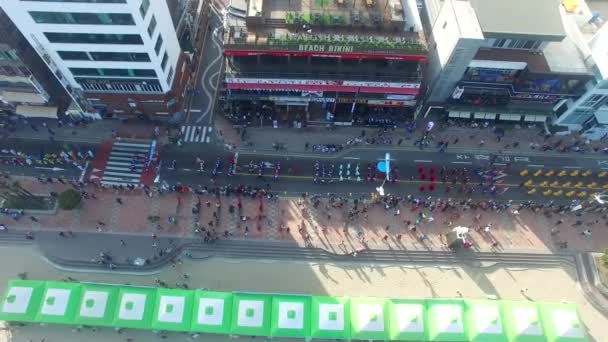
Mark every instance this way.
x=125 y=48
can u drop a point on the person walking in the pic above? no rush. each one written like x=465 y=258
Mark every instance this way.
x=119 y=200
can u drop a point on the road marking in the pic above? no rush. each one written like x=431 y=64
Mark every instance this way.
x=195 y=110
x=462 y=163
x=423 y=161
x=352 y=158
x=500 y=164
x=84 y=171
x=534 y=165
x=571 y=167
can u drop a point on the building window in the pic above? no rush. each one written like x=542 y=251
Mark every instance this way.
x=594 y=101
x=85 y=1
x=82 y=18
x=499 y=43
x=170 y=76
x=74 y=55
x=163 y=64
x=159 y=44
x=120 y=56
x=92 y=38
x=143 y=8
x=110 y=72
x=8 y=55
x=152 y=26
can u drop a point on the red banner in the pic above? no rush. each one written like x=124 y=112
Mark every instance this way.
x=318 y=87
x=416 y=58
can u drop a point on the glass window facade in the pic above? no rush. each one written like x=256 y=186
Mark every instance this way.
x=104 y=56
x=170 y=76
x=159 y=44
x=74 y=55
x=163 y=64
x=113 y=72
x=120 y=56
x=152 y=26
x=93 y=38
x=143 y=8
x=82 y=18
x=118 y=85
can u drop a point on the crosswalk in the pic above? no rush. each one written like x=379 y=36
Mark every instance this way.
x=117 y=170
x=196 y=134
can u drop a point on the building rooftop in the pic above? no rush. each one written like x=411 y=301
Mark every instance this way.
x=520 y=19
x=335 y=26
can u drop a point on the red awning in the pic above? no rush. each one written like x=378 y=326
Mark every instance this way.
x=305 y=87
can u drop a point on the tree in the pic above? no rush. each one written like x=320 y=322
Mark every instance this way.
x=69 y=199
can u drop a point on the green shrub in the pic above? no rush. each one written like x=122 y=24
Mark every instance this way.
x=69 y=199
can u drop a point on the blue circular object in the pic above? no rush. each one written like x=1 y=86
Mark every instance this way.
x=381 y=166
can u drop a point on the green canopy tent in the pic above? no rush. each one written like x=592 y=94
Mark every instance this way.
x=251 y=314
x=562 y=323
x=21 y=301
x=445 y=320
x=407 y=320
x=330 y=318
x=484 y=321
x=59 y=303
x=290 y=316
x=522 y=322
x=97 y=305
x=172 y=310
x=135 y=307
x=212 y=312
x=369 y=319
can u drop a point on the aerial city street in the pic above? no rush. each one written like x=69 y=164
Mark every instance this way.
x=394 y=170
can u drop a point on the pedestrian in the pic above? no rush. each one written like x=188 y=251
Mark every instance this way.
x=586 y=232
x=119 y=200
x=306 y=146
x=33 y=219
x=122 y=242
x=399 y=141
x=101 y=223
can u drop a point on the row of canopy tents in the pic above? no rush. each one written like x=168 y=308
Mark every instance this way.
x=299 y=316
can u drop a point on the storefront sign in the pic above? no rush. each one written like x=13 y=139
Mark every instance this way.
x=376 y=102
x=297 y=99
x=540 y=97
x=326 y=48
x=382 y=84
x=401 y=97
x=284 y=81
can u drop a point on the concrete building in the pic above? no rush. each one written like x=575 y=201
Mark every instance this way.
x=304 y=62
x=17 y=84
x=502 y=60
x=121 y=56
x=589 y=113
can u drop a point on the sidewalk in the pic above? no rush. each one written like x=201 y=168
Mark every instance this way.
x=91 y=133
x=459 y=138
x=319 y=224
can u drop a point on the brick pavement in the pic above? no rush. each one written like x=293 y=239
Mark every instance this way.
x=322 y=224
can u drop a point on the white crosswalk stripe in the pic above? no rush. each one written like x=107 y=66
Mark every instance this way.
x=196 y=134
x=118 y=171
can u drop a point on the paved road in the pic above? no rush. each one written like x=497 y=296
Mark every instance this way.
x=202 y=103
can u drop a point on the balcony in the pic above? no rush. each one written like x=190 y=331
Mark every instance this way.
x=408 y=44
